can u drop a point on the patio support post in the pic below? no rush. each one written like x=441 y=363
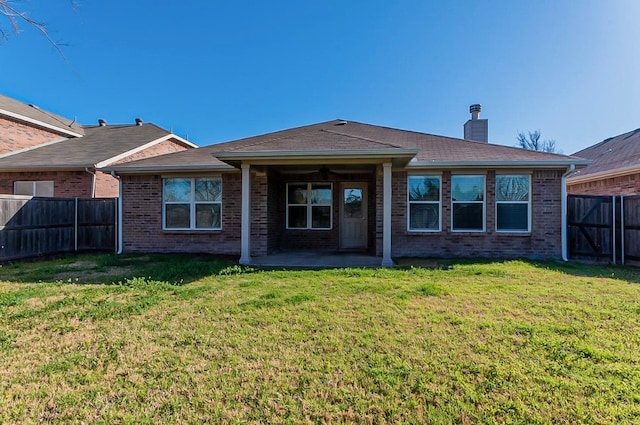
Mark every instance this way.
x=245 y=228
x=386 y=215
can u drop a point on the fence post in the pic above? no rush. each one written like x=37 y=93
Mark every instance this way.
x=75 y=227
x=613 y=227
x=622 y=229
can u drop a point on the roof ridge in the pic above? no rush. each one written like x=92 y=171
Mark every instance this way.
x=360 y=138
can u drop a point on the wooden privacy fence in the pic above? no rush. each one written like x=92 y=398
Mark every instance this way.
x=31 y=227
x=604 y=228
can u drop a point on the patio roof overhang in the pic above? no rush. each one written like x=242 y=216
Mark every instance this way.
x=397 y=156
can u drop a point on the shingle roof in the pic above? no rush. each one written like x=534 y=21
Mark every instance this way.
x=20 y=110
x=98 y=144
x=614 y=153
x=338 y=138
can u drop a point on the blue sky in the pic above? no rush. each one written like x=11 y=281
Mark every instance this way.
x=214 y=71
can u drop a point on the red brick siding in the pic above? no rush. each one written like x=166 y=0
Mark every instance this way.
x=142 y=219
x=15 y=136
x=66 y=184
x=106 y=186
x=544 y=241
x=168 y=146
x=622 y=185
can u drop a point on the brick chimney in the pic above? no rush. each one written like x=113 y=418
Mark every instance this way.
x=475 y=128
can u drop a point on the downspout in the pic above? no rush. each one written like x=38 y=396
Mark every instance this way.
x=563 y=212
x=93 y=181
x=115 y=176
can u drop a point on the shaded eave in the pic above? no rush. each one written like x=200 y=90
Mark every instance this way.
x=399 y=157
x=607 y=174
x=500 y=164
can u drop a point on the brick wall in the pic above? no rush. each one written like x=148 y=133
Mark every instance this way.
x=106 y=186
x=168 y=146
x=66 y=184
x=15 y=136
x=142 y=219
x=544 y=241
x=621 y=185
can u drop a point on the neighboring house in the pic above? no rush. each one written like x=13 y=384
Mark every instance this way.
x=43 y=154
x=614 y=170
x=347 y=186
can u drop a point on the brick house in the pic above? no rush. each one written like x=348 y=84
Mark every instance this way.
x=614 y=170
x=43 y=154
x=347 y=186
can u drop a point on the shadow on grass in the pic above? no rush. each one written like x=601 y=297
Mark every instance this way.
x=626 y=273
x=174 y=269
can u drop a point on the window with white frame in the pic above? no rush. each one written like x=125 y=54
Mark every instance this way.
x=424 y=203
x=513 y=203
x=192 y=203
x=467 y=203
x=309 y=205
x=33 y=188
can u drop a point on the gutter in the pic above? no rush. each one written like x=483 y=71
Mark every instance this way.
x=93 y=181
x=119 y=219
x=563 y=213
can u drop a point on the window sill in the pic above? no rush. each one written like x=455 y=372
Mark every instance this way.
x=190 y=231
x=521 y=234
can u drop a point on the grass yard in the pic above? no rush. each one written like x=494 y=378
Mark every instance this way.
x=183 y=339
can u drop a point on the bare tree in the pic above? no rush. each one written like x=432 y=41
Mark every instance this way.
x=533 y=142
x=17 y=16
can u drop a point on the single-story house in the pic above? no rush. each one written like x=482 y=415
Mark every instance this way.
x=614 y=170
x=43 y=154
x=347 y=186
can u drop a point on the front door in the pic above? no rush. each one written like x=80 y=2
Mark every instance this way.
x=353 y=216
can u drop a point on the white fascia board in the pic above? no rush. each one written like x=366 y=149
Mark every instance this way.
x=501 y=164
x=618 y=172
x=141 y=148
x=30 y=148
x=167 y=168
x=39 y=123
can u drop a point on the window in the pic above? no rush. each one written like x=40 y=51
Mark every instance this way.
x=467 y=203
x=33 y=188
x=423 y=194
x=192 y=203
x=513 y=203
x=309 y=205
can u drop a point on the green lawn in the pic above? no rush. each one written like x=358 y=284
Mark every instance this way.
x=180 y=339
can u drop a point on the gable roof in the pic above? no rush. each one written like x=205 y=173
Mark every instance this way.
x=100 y=146
x=33 y=115
x=613 y=156
x=347 y=141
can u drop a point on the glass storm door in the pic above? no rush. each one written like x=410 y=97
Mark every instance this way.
x=353 y=216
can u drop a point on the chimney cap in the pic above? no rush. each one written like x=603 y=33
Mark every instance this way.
x=138 y=121
x=476 y=107
x=102 y=122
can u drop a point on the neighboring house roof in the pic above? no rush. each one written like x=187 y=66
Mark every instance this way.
x=100 y=146
x=348 y=141
x=614 y=156
x=33 y=115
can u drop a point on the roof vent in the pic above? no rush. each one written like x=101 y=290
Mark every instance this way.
x=138 y=121
x=476 y=129
x=341 y=122
x=102 y=122
x=475 y=110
